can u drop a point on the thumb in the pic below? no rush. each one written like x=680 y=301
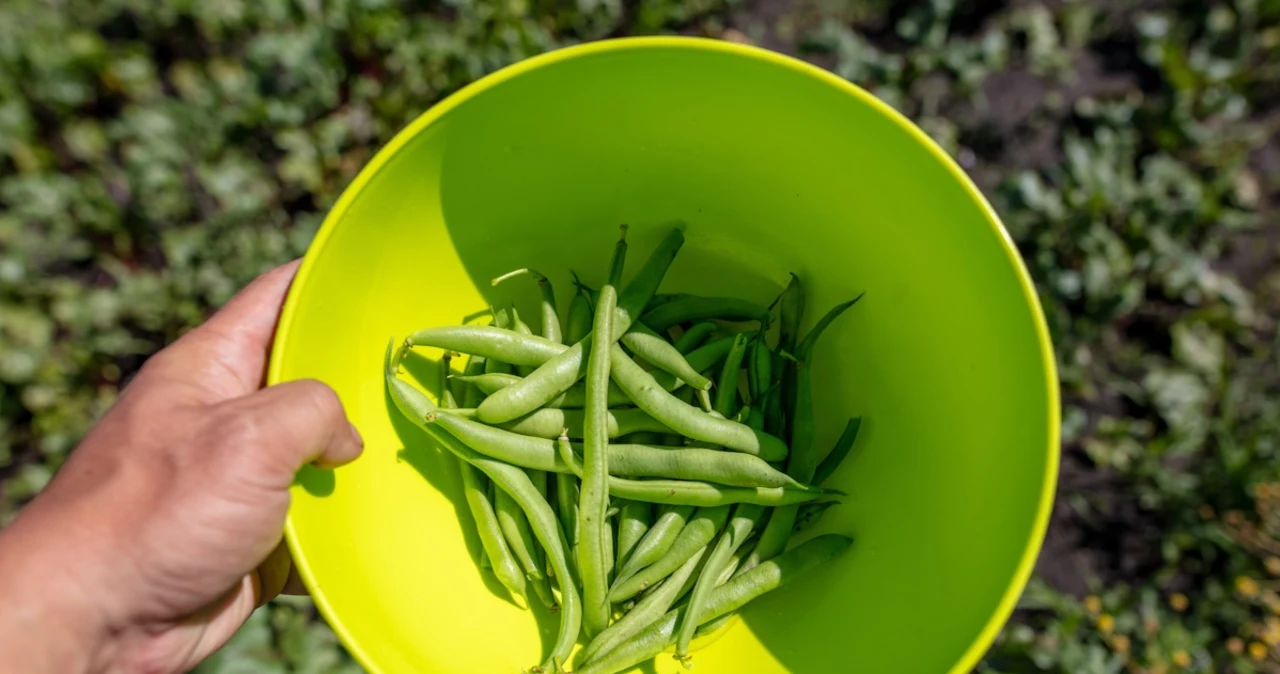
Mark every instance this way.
x=227 y=355
x=289 y=425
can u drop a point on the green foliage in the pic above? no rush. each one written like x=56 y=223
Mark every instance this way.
x=155 y=156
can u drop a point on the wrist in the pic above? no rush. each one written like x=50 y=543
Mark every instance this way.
x=52 y=619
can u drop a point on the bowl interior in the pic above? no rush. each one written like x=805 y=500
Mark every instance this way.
x=774 y=167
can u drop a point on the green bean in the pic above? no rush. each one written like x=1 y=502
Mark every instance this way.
x=512 y=448
x=690 y=492
x=523 y=328
x=723 y=576
x=702 y=308
x=695 y=536
x=558 y=374
x=648 y=438
x=591 y=294
x=704 y=401
x=838 y=453
x=730 y=571
x=446 y=395
x=575 y=397
x=539 y=479
x=471 y=396
x=729 y=469
x=550 y=319
x=803 y=460
x=489 y=341
x=660 y=299
x=488 y=526
x=759 y=372
x=773 y=540
x=502 y=321
x=706 y=494
x=658 y=540
x=594 y=533
x=633 y=522
x=725 y=599
x=774 y=414
x=694 y=463
x=791 y=312
x=495 y=366
x=712 y=626
x=727 y=386
x=804 y=457
x=540 y=482
x=745 y=518
x=607 y=540
x=737 y=476
x=519 y=536
x=707 y=465
x=661 y=354
x=567 y=504
x=652 y=606
x=547 y=423
x=517 y=324
x=578 y=323
x=701 y=359
x=492 y=539
x=689 y=421
x=695 y=336
x=731 y=567
x=809 y=514
x=416 y=406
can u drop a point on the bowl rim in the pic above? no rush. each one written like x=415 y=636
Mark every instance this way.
x=1026 y=563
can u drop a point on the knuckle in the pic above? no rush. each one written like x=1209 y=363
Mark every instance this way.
x=323 y=399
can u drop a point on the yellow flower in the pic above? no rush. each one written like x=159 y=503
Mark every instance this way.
x=1106 y=623
x=1120 y=643
x=1182 y=659
x=1247 y=586
x=1271 y=633
x=1257 y=651
x=1179 y=602
x=1271 y=600
x=1235 y=645
x=1092 y=604
x=1273 y=565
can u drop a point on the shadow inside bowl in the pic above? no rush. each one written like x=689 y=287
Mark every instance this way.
x=439 y=468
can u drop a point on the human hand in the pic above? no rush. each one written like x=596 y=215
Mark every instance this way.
x=162 y=532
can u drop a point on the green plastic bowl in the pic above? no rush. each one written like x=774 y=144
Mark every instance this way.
x=774 y=166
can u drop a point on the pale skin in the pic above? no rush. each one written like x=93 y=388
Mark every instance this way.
x=163 y=530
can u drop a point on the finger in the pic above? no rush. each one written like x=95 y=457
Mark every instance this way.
x=281 y=428
x=273 y=574
x=228 y=353
x=294 y=585
x=219 y=622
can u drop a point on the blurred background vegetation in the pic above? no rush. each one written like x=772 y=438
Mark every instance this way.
x=157 y=154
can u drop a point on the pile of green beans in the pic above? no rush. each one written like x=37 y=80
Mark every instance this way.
x=677 y=431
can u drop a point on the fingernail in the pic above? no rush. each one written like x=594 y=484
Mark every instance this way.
x=355 y=435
